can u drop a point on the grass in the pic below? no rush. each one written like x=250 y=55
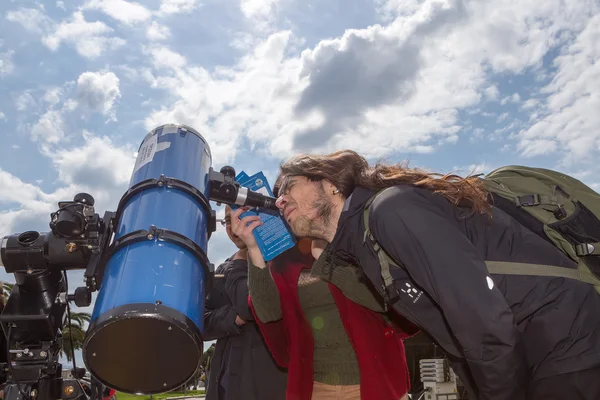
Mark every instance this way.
x=162 y=396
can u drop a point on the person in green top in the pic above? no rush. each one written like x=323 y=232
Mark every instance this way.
x=336 y=368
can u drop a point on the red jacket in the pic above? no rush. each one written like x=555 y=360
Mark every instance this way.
x=379 y=348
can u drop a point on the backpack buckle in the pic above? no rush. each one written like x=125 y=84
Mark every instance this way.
x=389 y=298
x=560 y=213
x=528 y=200
x=584 y=249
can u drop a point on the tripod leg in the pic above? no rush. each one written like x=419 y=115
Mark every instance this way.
x=96 y=390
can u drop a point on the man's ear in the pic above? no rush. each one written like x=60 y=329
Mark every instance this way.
x=329 y=187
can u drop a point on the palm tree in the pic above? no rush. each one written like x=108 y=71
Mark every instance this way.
x=75 y=332
x=5 y=289
x=80 y=317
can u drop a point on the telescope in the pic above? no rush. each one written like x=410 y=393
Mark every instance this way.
x=148 y=263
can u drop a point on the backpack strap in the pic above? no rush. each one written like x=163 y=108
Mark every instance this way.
x=587 y=249
x=390 y=293
x=530 y=200
x=516 y=268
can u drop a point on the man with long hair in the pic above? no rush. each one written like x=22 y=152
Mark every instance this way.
x=506 y=336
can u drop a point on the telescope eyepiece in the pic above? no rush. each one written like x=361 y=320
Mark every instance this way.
x=228 y=171
x=28 y=238
x=84 y=198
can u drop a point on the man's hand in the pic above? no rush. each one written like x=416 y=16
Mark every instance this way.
x=243 y=229
x=239 y=321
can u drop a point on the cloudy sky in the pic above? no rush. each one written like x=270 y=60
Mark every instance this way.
x=467 y=85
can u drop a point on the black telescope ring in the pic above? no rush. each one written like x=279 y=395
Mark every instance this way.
x=173 y=183
x=163 y=235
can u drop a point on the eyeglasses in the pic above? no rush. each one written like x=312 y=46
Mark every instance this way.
x=224 y=221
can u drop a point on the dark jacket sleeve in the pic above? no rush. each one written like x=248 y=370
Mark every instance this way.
x=219 y=314
x=236 y=287
x=445 y=264
x=220 y=323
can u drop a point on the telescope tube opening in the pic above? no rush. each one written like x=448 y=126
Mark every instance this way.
x=145 y=334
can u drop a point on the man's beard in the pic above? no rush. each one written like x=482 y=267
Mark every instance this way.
x=318 y=227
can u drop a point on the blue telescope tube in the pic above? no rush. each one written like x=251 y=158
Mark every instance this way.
x=145 y=334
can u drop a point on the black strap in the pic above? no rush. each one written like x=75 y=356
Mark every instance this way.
x=517 y=268
x=390 y=293
x=530 y=200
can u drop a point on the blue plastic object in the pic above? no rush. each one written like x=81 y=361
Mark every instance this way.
x=151 y=301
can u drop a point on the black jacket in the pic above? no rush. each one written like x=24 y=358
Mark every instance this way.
x=500 y=332
x=241 y=361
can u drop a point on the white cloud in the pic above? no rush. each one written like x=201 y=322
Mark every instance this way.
x=80 y=169
x=15 y=190
x=502 y=117
x=52 y=96
x=176 y=6
x=571 y=119
x=127 y=12
x=32 y=19
x=530 y=103
x=257 y=8
x=492 y=92
x=82 y=166
x=2 y=116
x=34 y=204
x=388 y=88
x=61 y=5
x=473 y=169
x=98 y=92
x=50 y=128
x=236 y=99
x=514 y=98
x=165 y=58
x=6 y=64
x=90 y=39
x=25 y=101
x=157 y=31
x=536 y=147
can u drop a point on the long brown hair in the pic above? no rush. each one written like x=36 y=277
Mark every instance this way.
x=346 y=169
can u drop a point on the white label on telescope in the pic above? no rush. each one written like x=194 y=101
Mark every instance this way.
x=146 y=153
x=162 y=146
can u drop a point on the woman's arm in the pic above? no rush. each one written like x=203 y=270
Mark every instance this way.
x=264 y=294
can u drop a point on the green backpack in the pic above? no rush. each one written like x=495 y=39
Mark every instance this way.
x=559 y=208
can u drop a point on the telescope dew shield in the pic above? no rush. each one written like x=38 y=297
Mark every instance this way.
x=145 y=331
